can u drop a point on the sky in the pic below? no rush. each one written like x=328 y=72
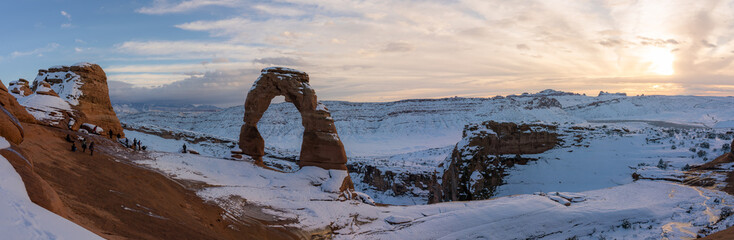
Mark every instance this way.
x=211 y=51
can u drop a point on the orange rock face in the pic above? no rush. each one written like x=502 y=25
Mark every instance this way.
x=84 y=86
x=39 y=191
x=321 y=146
x=10 y=127
x=476 y=166
x=11 y=105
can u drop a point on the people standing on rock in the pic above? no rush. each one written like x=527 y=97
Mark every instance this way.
x=184 y=148
x=73 y=147
x=139 y=145
x=91 y=149
x=135 y=143
x=84 y=146
x=68 y=138
x=111 y=135
x=119 y=136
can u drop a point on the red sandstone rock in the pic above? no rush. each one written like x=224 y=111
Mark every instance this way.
x=39 y=191
x=11 y=105
x=10 y=127
x=475 y=168
x=321 y=146
x=84 y=86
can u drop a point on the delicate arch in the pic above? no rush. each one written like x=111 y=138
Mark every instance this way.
x=321 y=145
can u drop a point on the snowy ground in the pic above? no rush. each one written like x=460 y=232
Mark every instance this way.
x=614 y=137
x=639 y=210
x=23 y=219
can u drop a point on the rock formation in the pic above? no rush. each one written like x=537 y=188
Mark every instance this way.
x=20 y=87
x=81 y=91
x=321 y=146
x=476 y=166
x=39 y=191
x=8 y=102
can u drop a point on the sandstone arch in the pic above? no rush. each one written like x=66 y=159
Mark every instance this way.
x=321 y=146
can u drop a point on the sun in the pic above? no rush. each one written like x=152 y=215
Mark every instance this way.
x=661 y=61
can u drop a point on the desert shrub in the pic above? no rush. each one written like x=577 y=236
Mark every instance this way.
x=725 y=213
x=662 y=164
x=686 y=168
x=626 y=224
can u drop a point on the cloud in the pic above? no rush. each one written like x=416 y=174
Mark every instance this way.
x=280 y=61
x=398 y=47
x=279 y=10
x=388 y=50
x=707 y=44
x=38 y=51
x=67 y=15
x=164 y=7
x=215 y=87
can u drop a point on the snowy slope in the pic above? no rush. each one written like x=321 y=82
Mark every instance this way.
x=640 y=210
x=23 y=219
x=385 y=129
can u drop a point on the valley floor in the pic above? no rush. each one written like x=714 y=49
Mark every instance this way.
x=116 y=199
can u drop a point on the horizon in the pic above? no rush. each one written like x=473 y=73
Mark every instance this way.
x=210 y=52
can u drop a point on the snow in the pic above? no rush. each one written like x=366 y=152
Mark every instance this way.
x=725 y=124
x=592 y=173
x=4 y=143
x=69 y=86
x=83 y=64
x=44 y=107
x=23 y=219
x=95 y=128
x=649 y=208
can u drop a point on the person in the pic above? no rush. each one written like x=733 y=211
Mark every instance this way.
x=91 y=149
x=68 y=138
x=139 y=145
x=184 y=148
x=111 y=136
x=127 y=142
x=73 y=147
x=135 y=143
x=119 y=136
x=84 y=146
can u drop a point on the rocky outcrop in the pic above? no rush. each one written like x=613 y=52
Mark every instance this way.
x=43 y=88
x=477 y=166
x=75 y=95
x=39 y=191
x=543 y=103
x=321 y=146
x=8 y=102
x=20 y=88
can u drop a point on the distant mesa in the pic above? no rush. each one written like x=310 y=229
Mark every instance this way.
x=603 y=93
x=321 y=146
x=477 y=166
x=69 y=96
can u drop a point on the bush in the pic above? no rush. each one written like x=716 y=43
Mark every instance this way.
x=626 y=224
x=726 y=147
x=673 y=147
x=705 y=145
x=686 y=168
x=662 y=164
x=725 y=213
